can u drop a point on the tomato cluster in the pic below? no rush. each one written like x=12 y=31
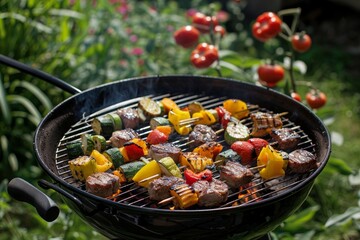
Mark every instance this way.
x=204 y=54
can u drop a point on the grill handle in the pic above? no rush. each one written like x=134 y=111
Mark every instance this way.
x=39 y=74
x=21 y=190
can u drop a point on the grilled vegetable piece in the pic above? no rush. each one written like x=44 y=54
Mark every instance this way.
x=102 y=163
x=235 y=174
x=184 y=196
x=237 y=108
x=74 y=149
x=263 y=123
x=168 y=104
x=209 y=149
x=99 y=142
x=133 y=151
x=175 y=116
x=205 y=117
x=159 y=189
x=227 y=155
x=202 y=134
x=211 y=193
x=82 y=167
x=195 y=107
x=286 y=138
x=116 y=120
x=156 y=137
x=130 y=169
x=192 y=177
x=150 y=170
x=114 y=155
x=301 y=161
x=159 y=121
x=195 y=161
x=120 y=137
x=87 y=144
x=236 y=132
x=129 y=117
x=273 y=162
x=169 y=168
x=149 y=107
x=103 y=125
x=159 y=151
x=102 y=184
x=245 y=150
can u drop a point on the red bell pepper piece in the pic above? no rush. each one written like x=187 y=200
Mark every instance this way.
x=224 y=116
x=133 y=151
x=156 y=137
x=192 y=177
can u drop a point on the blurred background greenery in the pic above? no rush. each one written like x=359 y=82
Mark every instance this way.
x=87 y=43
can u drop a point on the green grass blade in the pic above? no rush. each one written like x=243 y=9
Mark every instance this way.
x=4 y=107
x=27 y=104
x=41 y=96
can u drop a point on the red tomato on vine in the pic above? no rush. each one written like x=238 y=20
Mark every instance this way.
x=187 y=36
x=266 y=26
x=301 y=42
x=316 y=99
x=203 y=22
x=204 y=55
x=296 y=96
x=270 y=74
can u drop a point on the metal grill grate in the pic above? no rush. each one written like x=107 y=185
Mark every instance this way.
x=132 y=194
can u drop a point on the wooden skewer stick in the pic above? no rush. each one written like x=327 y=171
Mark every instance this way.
x=149 y=178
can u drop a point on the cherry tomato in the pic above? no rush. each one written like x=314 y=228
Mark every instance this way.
x=187 y=36
x=316 y=99
x=270 y=74
x=266 y=26
x=204 y=23
x=204 y=55
x=301 y=42
x=220 y=30
x=296 y=96
x=156 y=137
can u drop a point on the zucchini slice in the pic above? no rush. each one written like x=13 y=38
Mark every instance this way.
x=74 y=149
x=236 y=132
x=87 y=144
x=99 y=142
x=103 y=125
x=130 y=169
x=114 y=155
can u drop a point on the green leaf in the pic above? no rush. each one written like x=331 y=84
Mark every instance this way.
x=26 y=103
x=4 y=144
x=13 y=162
x=336 y=219
x=296 y=221
x=340 y=166
x=4 y=107
x=41 y=96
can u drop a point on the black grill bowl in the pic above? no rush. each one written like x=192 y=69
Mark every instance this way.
x=123 y=221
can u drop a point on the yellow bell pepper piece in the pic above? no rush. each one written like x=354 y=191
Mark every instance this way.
x=102 y=163
x=150 y=169
x=206 y=117
x=82 y=167
x=175 y=116
x=273 y=162
x=237 y=108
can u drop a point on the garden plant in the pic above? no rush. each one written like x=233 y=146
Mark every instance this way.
x=88 y=43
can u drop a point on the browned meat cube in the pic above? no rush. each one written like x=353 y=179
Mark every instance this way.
x=202 y=134
x=235 y=174
x=118 y=138
x=301 y=161
x=159 y=151
x=211 y=194
x=159 y=189
x=286 y=138
x=129 y=117
x=102 y=184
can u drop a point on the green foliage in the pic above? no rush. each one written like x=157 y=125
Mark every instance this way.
x=88 y=43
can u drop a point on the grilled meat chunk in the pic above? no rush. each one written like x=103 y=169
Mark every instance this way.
x=159 y=151
x=301 y=161
x=211 y=194
x=235 y=174
x=129 y=117
x=264 y=122
x=159 y=189
x=102 y=184
x=286 y=138
x=202 y=134
x=118 y=138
